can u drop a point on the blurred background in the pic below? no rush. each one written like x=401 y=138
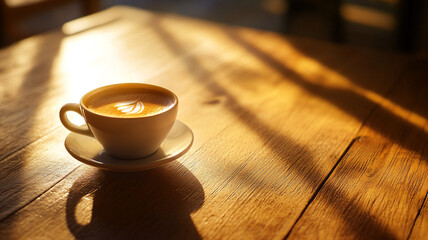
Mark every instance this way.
x=386 y=25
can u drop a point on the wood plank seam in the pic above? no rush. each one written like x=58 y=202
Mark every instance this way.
x=16 y=151
x=396 y=81
x=250 y=179
x=195 y=49
x=322 y=184
x=58 y=128
x=396 y=155
x=387 y=93
x=59 y=180
x=417 y=216
x=219 y=90
x=38 y=196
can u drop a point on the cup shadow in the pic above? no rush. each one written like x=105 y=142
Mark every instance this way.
x=153 y=204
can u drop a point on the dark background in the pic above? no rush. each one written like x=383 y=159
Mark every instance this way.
x=386 y=25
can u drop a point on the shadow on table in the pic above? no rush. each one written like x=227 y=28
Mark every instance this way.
x=296 y=157
x=154 y=204
x=387 y=123
x=26 y=85
x=410 y=76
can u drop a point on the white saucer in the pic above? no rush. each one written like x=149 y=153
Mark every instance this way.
x=89 y=151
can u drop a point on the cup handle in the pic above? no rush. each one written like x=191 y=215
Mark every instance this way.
x=69 y=125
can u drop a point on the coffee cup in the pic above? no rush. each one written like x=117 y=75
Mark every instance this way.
x=130 y=120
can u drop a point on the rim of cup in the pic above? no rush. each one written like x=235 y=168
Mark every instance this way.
x=155 y=88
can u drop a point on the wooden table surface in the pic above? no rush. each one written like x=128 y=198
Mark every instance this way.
x=294 y=138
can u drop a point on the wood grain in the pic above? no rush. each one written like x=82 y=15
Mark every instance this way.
x=378 y=188
x=420 y=229
x=271 y=116
x=171 y=189
x=30 y=172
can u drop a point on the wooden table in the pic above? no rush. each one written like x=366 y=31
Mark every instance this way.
x=294 y=138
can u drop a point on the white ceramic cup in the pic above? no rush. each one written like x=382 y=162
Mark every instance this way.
x=126 y=138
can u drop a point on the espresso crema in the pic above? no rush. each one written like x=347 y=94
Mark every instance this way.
x=130 y=104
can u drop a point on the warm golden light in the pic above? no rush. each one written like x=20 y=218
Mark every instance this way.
x=367 y=16
x=315 y=72
x=22 y=65
x=87 y=23
x=318 y=74
x=82 y=63
x=83 y=214
x=75 y=118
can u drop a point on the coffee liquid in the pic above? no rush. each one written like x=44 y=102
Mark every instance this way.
x=129 y=104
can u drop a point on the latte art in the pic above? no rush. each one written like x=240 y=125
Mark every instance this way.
x=130 y=107
x=129 y=104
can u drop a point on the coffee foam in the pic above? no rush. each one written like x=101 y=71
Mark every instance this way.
x=129 y=104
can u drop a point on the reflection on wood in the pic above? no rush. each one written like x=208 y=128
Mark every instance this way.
x=267 y=137
x=420 y=229
x=382 y=179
